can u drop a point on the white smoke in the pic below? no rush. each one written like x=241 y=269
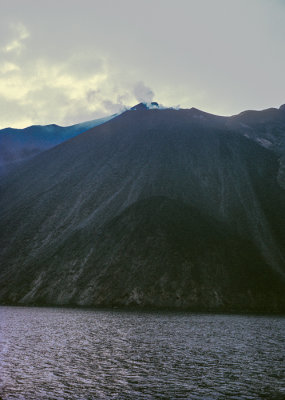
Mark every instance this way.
x=142 y=93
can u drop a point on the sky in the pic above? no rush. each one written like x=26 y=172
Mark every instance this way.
x=69 y=61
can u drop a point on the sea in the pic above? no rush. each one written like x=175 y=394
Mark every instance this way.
x=83 y=354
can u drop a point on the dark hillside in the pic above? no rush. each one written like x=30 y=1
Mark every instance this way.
x=166 y=208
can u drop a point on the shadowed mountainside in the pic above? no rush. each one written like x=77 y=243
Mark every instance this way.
x=266 y=128
x=21 y=144
x=163 y=208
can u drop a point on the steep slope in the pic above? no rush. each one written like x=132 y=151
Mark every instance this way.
x=267 y=128
x=21 y=144
x=155 y=207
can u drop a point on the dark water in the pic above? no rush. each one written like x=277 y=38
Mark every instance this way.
x=77 y=354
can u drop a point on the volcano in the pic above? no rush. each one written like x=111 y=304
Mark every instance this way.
x=154 y=208
x=17 y=145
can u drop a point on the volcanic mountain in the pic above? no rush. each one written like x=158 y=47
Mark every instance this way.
x=156 y=207
x=266 y=128
x=21 y=144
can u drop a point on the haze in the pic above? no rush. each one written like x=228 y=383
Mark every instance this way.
x=68 y=61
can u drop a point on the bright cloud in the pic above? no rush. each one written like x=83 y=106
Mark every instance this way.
x=8 y=67
x=47 y=91
x=17 y=44
x=68 y=61
x=44 y=90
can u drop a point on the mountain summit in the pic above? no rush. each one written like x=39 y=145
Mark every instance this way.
x=154 y=208
x=145 y=106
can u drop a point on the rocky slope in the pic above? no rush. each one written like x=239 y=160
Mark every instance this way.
x=266 y=128
x=162 y=208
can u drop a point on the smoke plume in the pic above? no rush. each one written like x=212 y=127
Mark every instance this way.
x=143 y=93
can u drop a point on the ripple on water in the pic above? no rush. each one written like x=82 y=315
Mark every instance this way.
x=59 y=354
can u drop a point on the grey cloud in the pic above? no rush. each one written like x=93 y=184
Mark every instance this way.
x=123 y=99
x=91 y=95
x=84 y=65
x=77 y=112
x=15 y=44
x=143 y=93
x=112 y=107
x=190 y=52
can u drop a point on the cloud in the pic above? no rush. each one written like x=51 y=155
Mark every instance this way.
x=143 y=93
x=43 y=90
x=115 y=107
x=16 y=45
x=91 y=95
x=64 y=67
x=8 y=67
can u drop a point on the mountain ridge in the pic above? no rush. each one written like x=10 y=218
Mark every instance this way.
x=57 y=211
x=17 y=145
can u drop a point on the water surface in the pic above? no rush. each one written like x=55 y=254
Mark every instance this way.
x=48 y=353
